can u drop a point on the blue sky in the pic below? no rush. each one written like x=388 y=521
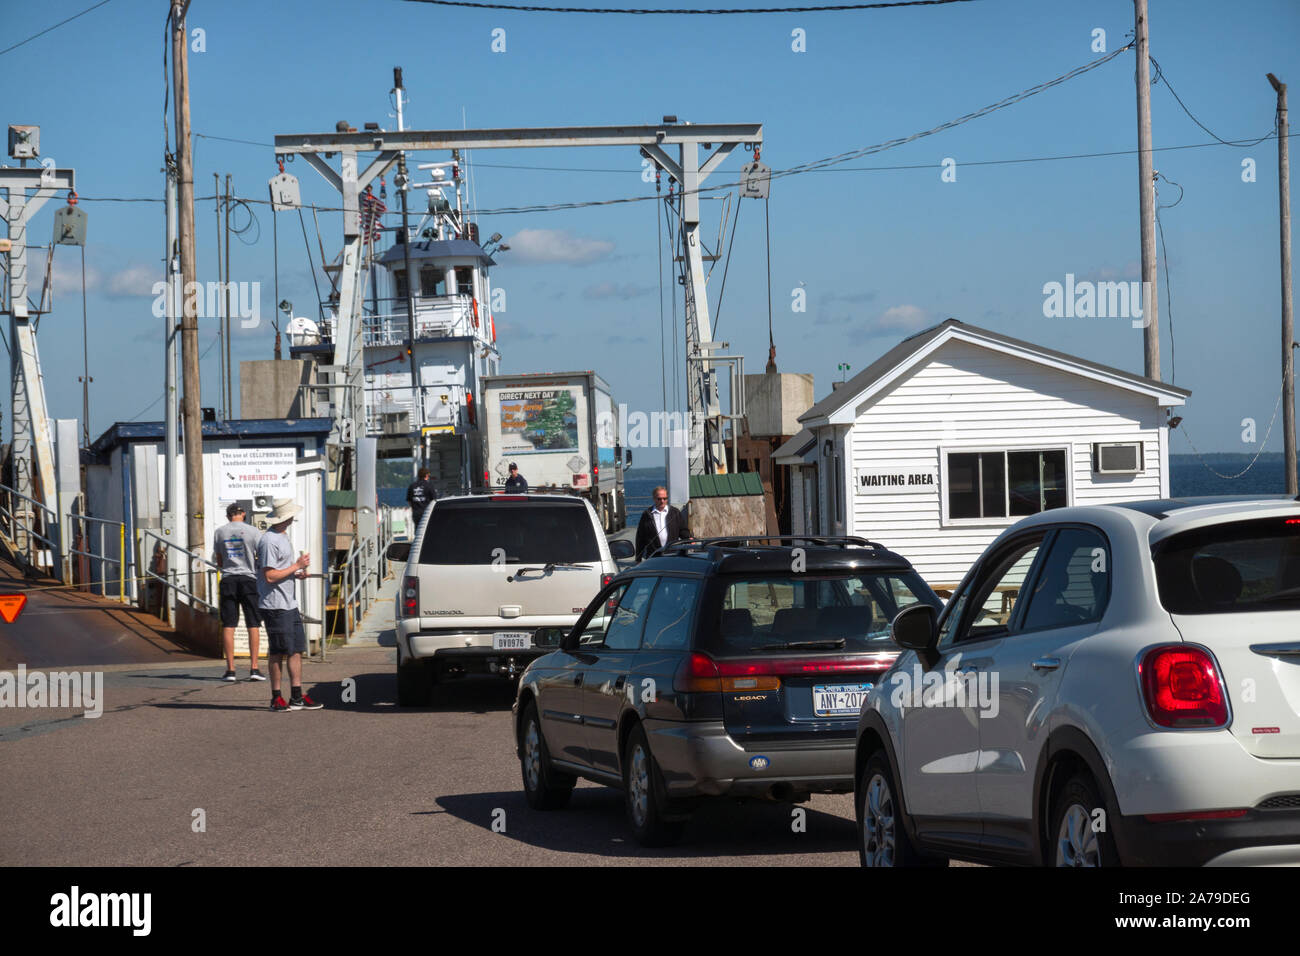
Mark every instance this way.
x=880 y=253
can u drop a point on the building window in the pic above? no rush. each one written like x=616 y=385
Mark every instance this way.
x=432 y=281
x=464 y=281
x=1001 y=484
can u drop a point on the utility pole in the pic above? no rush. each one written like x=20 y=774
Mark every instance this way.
x=403 y=182
x=221 y=352
x=1147 y=197
x=230 y=369
x=172 y=262
x=1288 y=320
x=193 y=427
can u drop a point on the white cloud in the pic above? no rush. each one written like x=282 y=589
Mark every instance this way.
x=556 y=246
x=136 y=280
x=903 y=318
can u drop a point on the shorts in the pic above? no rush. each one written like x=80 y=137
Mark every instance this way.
x=284 y=631
x=238 y=590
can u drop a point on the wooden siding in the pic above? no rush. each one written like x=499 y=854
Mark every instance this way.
x=967 y=397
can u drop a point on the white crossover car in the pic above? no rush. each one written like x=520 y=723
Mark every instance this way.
x=1110 y=685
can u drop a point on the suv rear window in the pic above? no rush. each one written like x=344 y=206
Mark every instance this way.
x=510 y=532
x=1227 y=568
x=811 y=612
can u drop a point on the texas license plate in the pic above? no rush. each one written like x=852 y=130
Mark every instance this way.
x=839 y=700
x=512 y=640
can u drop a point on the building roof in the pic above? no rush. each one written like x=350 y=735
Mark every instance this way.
x=122 y=433
x=793 y=450
x=725 y=486
x=437 y=248
x=914 y=349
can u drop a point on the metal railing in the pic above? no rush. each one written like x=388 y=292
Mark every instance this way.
x=25 y=525
x=177 y=579
x=84 y=532
x=357 y=579
x=439 y=317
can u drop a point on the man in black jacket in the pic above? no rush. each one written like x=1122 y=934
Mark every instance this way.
x=419 y=495
x=660 y=525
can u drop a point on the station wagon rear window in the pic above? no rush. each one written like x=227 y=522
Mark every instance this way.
x=811 y=612
x=509 y=532
x=1232 y=567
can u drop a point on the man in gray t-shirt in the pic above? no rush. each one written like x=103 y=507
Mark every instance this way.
x=278 y=603
x=234 y=548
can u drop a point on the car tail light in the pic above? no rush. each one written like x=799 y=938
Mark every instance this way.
x=1181 y=687
x=698 y=674
x=410 y=596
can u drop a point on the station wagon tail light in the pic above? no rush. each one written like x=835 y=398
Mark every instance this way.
x=410 y=596
x=1181 y=687
x=698 y=675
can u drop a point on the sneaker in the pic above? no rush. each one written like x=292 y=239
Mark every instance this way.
x=255 y=674
x=304 y=703
x=229 y=677
x=278 y=705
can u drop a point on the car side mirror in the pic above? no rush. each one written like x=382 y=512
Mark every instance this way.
x=621 y=549
x=399 y=551
x=916 y=628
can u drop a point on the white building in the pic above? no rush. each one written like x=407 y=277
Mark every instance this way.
x=957 y=432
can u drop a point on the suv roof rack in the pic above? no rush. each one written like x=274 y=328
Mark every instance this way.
x=714 y=546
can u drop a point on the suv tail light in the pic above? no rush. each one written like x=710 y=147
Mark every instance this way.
x=1181 y=687
x=410 y=596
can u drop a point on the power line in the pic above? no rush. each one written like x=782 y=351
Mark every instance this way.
x=1160 y=75
x=681 y=11
x=55 y=27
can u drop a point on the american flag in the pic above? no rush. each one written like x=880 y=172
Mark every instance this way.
x=372 y=208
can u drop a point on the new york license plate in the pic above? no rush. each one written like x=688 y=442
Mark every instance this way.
x=839 y=700
x=512 y=640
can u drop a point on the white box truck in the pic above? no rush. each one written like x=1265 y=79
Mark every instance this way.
x=561 y=429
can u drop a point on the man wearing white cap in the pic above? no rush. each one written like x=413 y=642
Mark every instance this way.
x=278 y=603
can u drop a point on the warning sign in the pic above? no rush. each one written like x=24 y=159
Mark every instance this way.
x=245 y=472
x=11 y=605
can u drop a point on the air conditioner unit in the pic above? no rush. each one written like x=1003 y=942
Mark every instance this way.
x=1117 y=458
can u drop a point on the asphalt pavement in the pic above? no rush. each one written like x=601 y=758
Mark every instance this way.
x=184 y=769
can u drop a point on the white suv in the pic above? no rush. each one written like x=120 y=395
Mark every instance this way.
x=493 y=581
x=1110 y=685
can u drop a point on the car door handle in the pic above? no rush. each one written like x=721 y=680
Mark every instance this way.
x=1046 y=664
x=577 y=679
